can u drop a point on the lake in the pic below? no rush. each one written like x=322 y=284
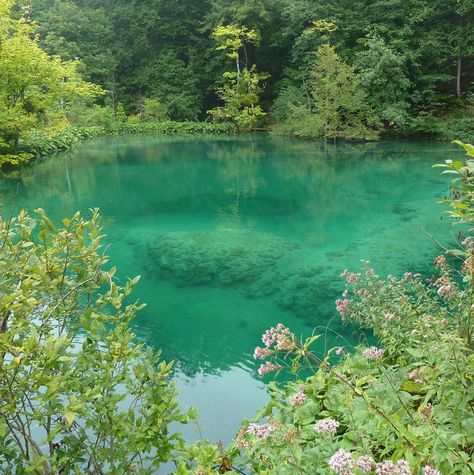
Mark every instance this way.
x=232 y=235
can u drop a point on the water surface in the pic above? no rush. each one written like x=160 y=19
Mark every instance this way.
x=234 y=235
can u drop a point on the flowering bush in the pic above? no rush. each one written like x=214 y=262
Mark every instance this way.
x=405 y=406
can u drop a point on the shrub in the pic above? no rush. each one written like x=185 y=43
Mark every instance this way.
x=404 y=406
x=78 y=394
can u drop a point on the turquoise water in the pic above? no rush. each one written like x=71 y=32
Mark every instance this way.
x=234 y=235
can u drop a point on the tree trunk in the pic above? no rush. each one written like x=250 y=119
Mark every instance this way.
x=458 y=77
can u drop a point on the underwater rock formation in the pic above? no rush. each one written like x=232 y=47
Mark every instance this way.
x=256 y=264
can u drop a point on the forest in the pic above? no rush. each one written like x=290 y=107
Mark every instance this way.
x=402 y=68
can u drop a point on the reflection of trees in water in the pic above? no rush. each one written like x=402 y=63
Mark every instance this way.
x=239 y=170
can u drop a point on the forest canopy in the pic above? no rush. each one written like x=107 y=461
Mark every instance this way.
x=307 y=68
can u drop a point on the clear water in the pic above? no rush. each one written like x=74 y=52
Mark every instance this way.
x=234 y=235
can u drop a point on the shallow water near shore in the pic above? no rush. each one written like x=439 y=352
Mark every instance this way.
x=232 y=235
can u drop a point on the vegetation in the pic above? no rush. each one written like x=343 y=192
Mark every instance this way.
x=78 y=393
x=336 y=70
x=411 y=60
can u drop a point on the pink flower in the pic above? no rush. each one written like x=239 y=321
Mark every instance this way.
x=261 y=353
x=365 y=463
x=351 y=277
x=390 y=468
x=268 y=368
x=340 y=351
x=374 y=353
x=342 y=306
x=281 y=337
x=326 y=426
x=440 y=261
x=428 y=470
x=260 y=431
x=341 y=462
x=298 y=398
x=444 y=290
x=468 y=242
x=345 y=293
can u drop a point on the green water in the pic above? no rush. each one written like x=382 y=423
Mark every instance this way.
x=234 y=235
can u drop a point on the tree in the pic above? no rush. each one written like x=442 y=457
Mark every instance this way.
x=77 y=393
x=383 y=76
x=33 y=84
x=338 y=106
x=241 y=89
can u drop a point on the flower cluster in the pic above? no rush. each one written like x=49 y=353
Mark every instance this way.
x=374 y=353
x=428 y=470
x=341 y=462
x=342 y=306
x=268 y=368
x=281 y=337
x=262 y=353
x=298 y=398
x=365 y=463
x=326 y=426
x=260 y=431
x=390 y=468
x=351 y=277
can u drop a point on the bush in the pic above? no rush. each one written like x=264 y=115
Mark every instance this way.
x=403 y=407
x=78 y=394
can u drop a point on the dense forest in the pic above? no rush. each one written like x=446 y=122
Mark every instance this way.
x=309 y=68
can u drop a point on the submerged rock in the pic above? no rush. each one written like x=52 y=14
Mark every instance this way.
x=223 y=258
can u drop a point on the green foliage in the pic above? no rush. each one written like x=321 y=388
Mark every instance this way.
x=240 y=95
x=336 y=107
x=403 y=408
x=384 y=78
x=412 y=56
x=34 y=88
x=78 y=393
x=241 y=89
x=153 y=111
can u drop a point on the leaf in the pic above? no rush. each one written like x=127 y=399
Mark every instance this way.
x=70 y=416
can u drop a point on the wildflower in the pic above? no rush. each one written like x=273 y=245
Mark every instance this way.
x=326 y=426
x=340 y=351
x=389 y=316
x=407 y=275
x=260 y=431
x=268 y=368
x=468 y=242
x=392 y=279
x=342 y=307
x=390 y=468
x=345 y=293
x=299 y=397
x=240 y=440
x=415 y=376
x=403 y=467
x=341 y=462
x=428 y=470
x=374 y=353
x=444 y=290
x=281 y=337
x=365 y=463
x=440 y=261
x=261 y=353
x=426 y=411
